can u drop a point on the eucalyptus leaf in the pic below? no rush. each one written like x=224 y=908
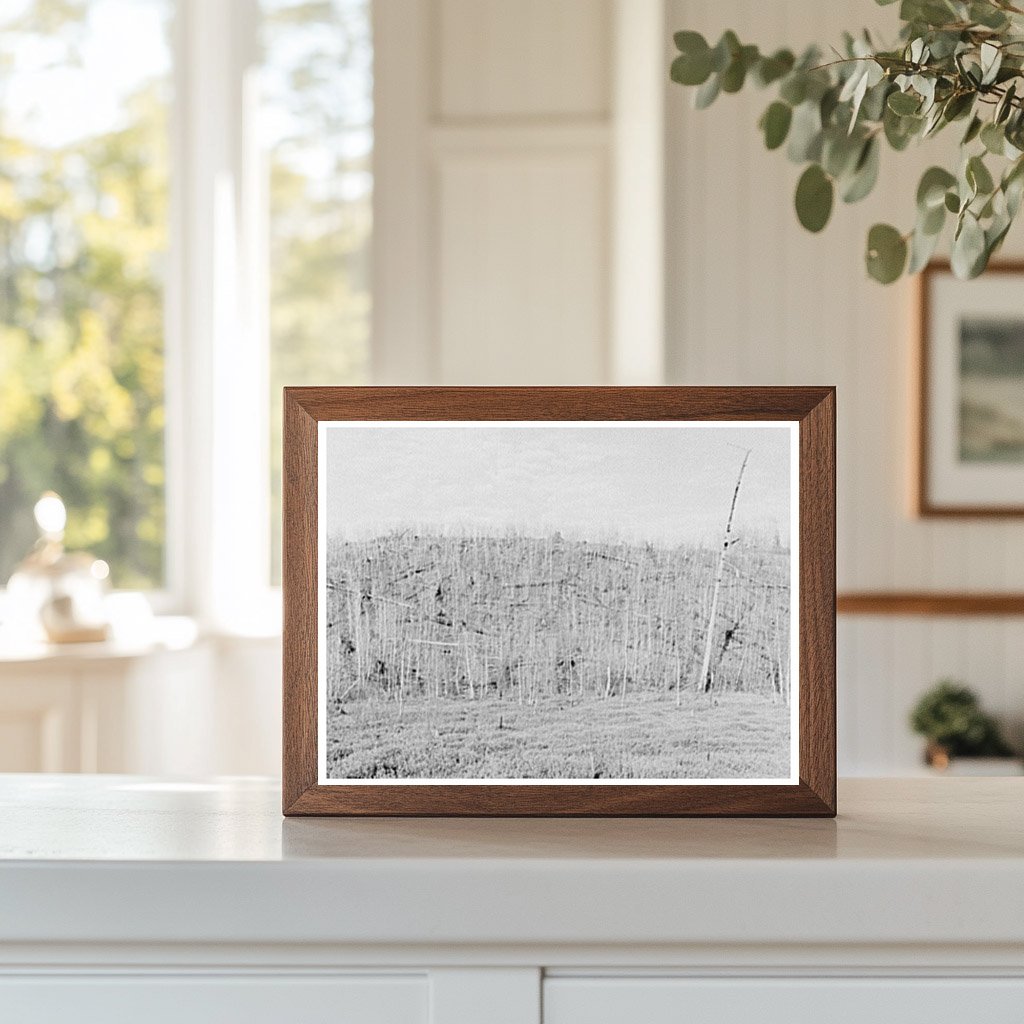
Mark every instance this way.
x=991 y=61
x=1013 y=187
x=987 y=15
x=805 y=133
x=865 y=174
x=691 y=70
x=775 y=124
x=867 y=74
x=903 y=103
x=929 y=12
x=1005 y=105
x=933 y=122
x=968 y=248
x=794 y=88
x=814 y=196
x=724 y=51
x=900 y=130
x=978 y=176
x=707 y=93
x=966 y=187
x=922 y=248
x=1014 y=192
x=771 y=69
x=931 y=190
x=995 y=233
x=886 y=253
x=958 y=105
x=973 y=130
x=873 y=107
x=944 y=44
x=840 y=152
x=925 y=87
x=969 y=71
x=993 y=138
x=735 y=74
x=931 y=222
x=827 y=106
x=690 y=42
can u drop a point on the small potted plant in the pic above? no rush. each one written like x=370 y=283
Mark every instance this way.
x=950 y=718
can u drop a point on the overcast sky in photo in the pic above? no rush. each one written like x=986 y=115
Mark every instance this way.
x=664 y=484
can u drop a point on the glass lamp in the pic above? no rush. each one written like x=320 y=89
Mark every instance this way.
x=59 y=596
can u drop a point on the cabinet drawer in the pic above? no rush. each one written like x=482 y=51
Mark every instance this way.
x=782 y=1000
x=202 y=999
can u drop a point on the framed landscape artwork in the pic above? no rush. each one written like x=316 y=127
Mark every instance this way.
x=970 y=451
x=559 y=601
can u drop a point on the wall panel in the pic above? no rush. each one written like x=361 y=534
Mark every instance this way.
x=530 y=58
x=520 y=288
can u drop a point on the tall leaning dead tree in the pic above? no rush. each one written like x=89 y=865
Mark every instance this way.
x=704 y=682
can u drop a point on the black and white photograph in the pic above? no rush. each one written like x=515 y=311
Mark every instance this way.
x=571 y=601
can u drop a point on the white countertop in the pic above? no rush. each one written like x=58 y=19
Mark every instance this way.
x=121 y=859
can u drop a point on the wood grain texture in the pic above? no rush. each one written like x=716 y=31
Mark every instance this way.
x=925 y=603
x=813 y=408
x=298 y=580
x=924 y=506
x=817 y=570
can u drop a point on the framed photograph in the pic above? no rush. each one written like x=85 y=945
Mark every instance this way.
x=970 y=451
x=559 y=601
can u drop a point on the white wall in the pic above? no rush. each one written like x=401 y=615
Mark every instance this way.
x=514 y=148
x=754 y=299
x=505 y=131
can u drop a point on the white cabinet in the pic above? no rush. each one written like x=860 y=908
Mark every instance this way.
x=828 y=1000
x=479 y=996
x=215 y=1000
x=126 y=899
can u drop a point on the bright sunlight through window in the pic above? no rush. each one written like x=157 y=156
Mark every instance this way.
x=317 y=118
x=83 y=236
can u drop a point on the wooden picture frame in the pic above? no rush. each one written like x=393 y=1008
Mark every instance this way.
x=941 y=487
x=313 y=412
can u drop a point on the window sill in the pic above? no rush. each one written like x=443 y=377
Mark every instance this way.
x=160 y=633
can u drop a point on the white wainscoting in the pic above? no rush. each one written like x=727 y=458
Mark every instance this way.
x=753 y=299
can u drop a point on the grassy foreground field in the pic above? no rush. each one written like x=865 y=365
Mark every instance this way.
x=650 y=736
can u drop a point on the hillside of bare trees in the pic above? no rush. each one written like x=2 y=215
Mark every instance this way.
x=525 y=636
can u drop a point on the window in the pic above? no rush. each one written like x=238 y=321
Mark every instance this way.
x=317 y=120
x=185 y=222
x=83 y=234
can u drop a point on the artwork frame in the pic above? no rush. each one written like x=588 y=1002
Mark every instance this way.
x=811 y=410
x=957 y=429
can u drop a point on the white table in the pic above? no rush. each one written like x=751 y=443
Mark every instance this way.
x=114 y=706
x=125 y=898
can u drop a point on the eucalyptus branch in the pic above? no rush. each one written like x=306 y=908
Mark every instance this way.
x=955 y=61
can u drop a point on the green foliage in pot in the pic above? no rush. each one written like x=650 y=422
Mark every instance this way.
x=957 y=62
x=950 y=717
